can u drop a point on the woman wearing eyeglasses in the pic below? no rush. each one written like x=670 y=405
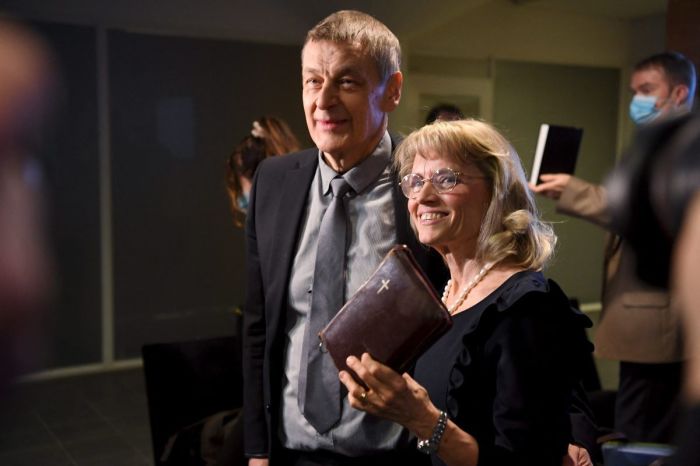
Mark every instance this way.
x=496 y=389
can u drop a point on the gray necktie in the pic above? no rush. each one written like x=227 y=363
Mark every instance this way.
x=319 y=387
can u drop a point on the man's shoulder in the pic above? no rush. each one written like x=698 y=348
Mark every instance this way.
x=290 y=161
x=273 y=170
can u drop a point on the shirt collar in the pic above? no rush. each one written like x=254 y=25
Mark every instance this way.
x=364 y=173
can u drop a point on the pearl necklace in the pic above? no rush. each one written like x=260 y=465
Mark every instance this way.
x=470 y=286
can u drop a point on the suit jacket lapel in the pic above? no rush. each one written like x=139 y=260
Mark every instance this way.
x=288 y=219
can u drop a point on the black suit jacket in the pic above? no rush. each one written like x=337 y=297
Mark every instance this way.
x=277 y=204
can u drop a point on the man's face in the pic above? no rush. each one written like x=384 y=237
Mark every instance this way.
x=345 y=102
x=652 y=82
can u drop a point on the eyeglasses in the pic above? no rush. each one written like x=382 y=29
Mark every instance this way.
x=443 y=180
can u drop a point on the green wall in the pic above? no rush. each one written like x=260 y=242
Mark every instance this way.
x=528 y=94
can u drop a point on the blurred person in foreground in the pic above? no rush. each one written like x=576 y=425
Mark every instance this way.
x=26 y=82
x=686 y=270
x=497 y=388
x=639 y=324
x=654 y=198
x=268 y=137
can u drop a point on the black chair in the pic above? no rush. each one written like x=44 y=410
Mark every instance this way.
x=194 y=392
x=602 y=401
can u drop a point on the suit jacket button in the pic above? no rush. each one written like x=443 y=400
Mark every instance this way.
x=267 y=408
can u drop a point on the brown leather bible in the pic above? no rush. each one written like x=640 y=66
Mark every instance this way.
x=394 y=316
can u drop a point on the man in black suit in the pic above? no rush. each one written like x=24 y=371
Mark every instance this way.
x=351 y=81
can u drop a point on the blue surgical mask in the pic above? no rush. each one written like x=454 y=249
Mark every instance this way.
x=243 y=202
x=643 y=109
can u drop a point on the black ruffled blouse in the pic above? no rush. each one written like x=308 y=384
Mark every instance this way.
x=506 y=370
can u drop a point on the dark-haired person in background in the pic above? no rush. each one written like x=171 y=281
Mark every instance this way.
x=639 y=326
x=269 y=136
x=444 y=112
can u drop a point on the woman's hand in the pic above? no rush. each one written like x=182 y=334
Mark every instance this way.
x=577 y=456
x=392 y=396
x=258 y=462
x=401 y=399
x=552 y=185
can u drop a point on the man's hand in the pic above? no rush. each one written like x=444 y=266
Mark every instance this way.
x=552 y=185
x=258 y=462
x=577 y=456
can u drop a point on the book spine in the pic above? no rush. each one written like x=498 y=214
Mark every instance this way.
x=539 y=152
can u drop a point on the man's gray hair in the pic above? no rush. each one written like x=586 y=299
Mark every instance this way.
x=368 y=33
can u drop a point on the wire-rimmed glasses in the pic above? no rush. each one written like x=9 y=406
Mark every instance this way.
x=443 y=180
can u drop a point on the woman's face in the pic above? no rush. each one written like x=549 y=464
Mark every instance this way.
x=449 y=220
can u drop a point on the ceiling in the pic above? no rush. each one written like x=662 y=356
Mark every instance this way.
x=286 y=21
x=623 y=9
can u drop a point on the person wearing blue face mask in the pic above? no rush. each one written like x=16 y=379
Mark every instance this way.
x=638 y=326
x=661 y=83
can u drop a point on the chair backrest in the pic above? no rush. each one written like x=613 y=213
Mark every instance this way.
x=189 y=381
x=589 y=372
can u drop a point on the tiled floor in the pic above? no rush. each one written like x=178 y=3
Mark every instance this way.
x=90 y=420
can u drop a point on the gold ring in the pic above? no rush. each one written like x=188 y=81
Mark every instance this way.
x=363 y=397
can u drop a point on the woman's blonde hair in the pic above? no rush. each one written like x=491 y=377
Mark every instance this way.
x=511 y=230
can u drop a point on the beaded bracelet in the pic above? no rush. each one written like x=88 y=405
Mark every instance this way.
x=431 y=445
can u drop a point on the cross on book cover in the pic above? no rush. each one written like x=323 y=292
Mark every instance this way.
x=557 y=150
